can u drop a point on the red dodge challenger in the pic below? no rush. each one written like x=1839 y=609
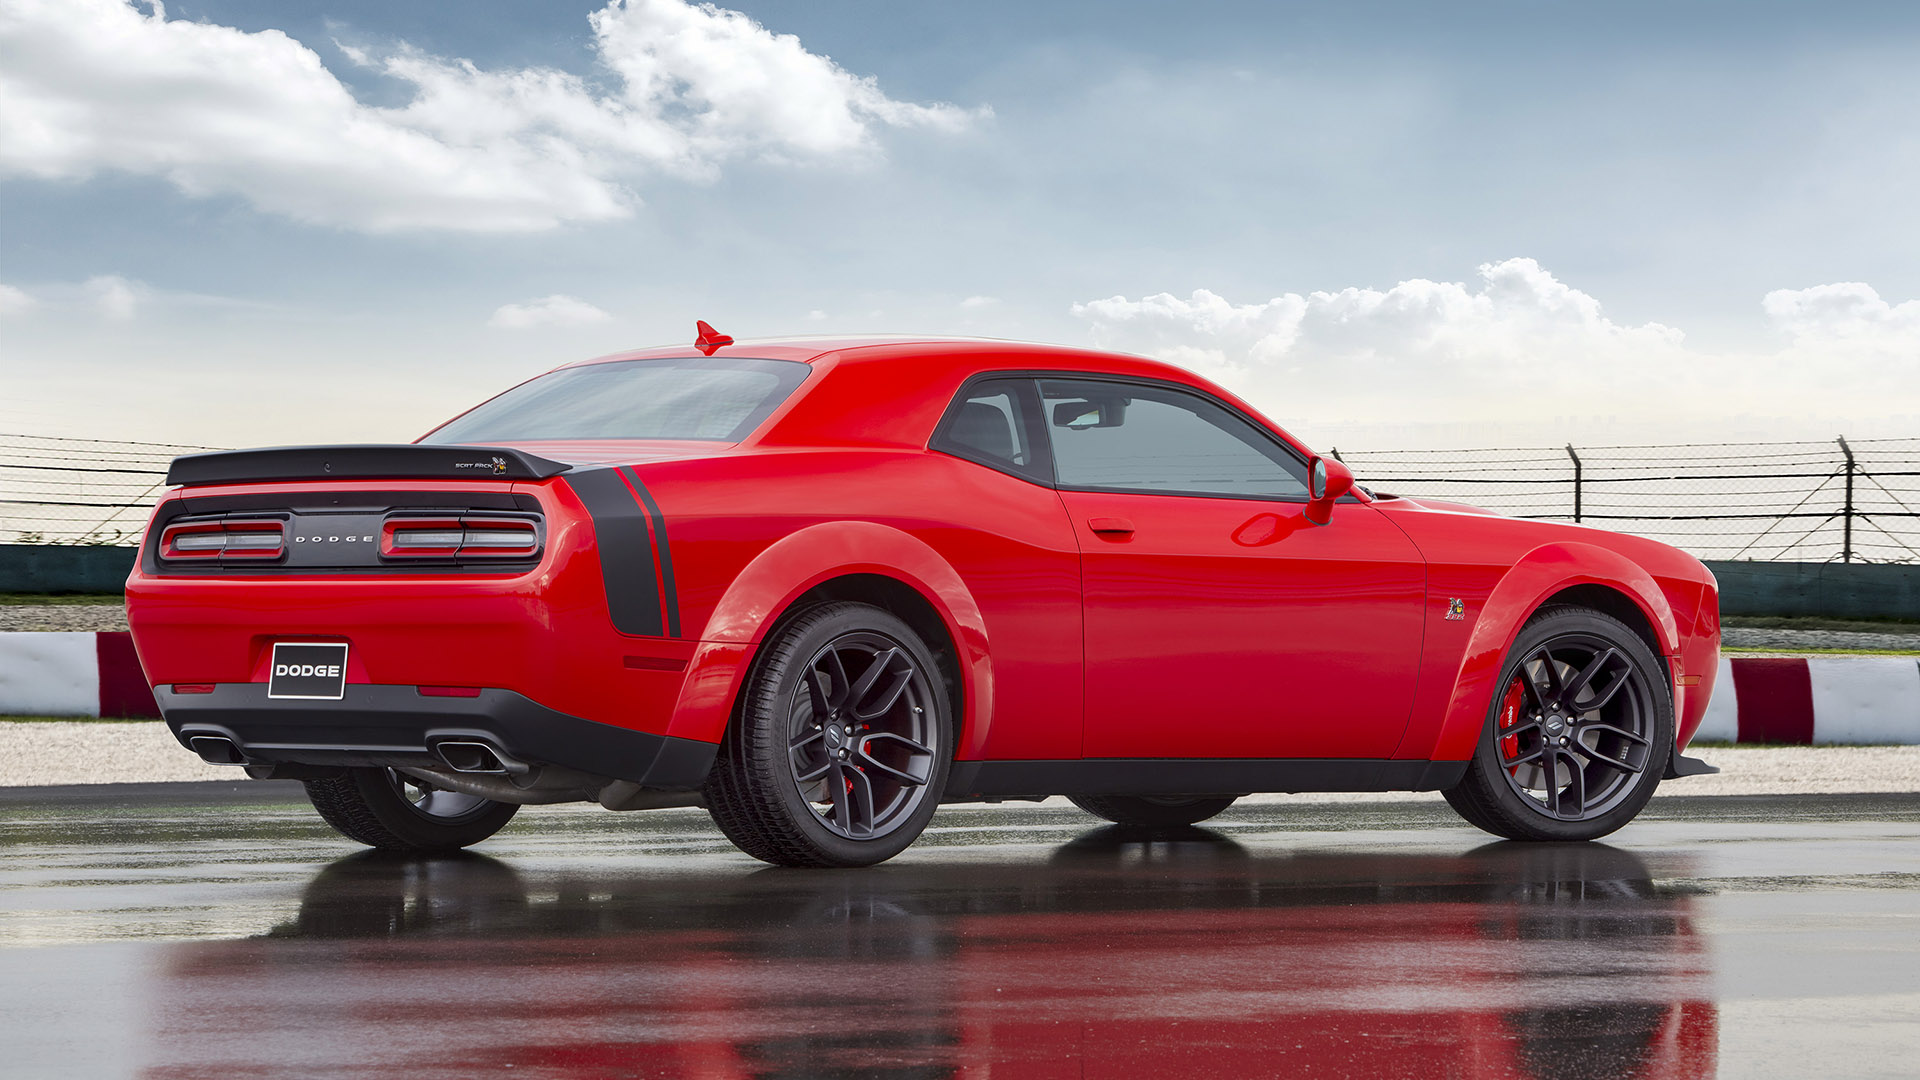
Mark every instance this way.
x=822 y=587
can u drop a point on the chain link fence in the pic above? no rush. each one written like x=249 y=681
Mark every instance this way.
x=1845 y=500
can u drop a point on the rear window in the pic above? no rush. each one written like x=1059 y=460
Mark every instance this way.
x=700 y=398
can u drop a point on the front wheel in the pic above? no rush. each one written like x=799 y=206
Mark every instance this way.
x=1578 y=734
x=1153 y=811
x=839 y=750
x=389 y=810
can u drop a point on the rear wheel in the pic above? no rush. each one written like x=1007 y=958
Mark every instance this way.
x=1153 y=811
x=840 y=748
x=1578 y=734
x=389 y=810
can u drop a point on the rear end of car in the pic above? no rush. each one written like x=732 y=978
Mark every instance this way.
x=409 y=607
x=462 y=613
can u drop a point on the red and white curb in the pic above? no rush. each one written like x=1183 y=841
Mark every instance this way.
x=1797 y=700
x=72 y=674
x=1815 y=700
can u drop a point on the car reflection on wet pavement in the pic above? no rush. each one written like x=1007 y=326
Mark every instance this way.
x=1023 y=942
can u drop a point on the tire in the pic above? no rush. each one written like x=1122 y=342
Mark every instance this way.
x=840 y=745
x=390 y=811
x=1153 y=811
x=1541 y=772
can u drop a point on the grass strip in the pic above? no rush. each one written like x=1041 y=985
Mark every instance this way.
x=1795 y=650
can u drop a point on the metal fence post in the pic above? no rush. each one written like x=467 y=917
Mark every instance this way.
x=1576 y=481
x=1846 y=511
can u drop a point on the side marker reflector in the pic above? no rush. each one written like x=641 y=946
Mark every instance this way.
x=449 y=691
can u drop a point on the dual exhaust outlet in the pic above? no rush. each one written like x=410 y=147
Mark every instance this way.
x=459 y=755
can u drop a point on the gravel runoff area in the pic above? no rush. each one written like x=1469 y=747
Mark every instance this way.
x=48 y=752
x=83 y=617
x=96 y=617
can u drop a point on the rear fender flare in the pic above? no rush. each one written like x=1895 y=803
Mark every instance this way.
x=1538 y=575
x=781 y=574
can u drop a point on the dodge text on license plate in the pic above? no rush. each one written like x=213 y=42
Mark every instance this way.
x=315 y=671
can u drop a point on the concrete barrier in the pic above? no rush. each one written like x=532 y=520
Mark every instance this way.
x=1799 y=700
x=72 y=674
x=1815 y=700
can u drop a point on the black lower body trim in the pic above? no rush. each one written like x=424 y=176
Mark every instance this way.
x=1186 y=776
x=1679 y=765
x=397 y=726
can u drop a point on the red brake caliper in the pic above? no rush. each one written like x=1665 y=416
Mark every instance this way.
x=1510 y=718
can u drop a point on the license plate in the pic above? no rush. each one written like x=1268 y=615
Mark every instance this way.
x=311 y=671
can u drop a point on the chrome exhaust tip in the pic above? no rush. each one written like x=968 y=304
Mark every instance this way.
x=464 y=756
x=216 y=750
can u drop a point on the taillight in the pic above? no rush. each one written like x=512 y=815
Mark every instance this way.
x=224 y=540
x=464 y=537
x=421 y=538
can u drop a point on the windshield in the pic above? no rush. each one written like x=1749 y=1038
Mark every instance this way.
x=701 y=398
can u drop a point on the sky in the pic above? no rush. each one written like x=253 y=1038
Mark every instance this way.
x=1391 y=225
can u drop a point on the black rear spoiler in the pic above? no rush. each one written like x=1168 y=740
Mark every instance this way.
x=400 y=461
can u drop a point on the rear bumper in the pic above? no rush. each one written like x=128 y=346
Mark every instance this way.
x=376 y=725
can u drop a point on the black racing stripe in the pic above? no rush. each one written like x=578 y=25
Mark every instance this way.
x=626 y=550
x=666 y=553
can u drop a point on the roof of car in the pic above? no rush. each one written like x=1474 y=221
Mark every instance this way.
x=884 y=347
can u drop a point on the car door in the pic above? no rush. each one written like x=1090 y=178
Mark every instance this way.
x=1219 y=622
x=1004 y=531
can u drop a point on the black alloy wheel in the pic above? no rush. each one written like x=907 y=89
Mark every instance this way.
x=1578 y=735
x=1153 y=811
x=840 y=748
x=393 y=811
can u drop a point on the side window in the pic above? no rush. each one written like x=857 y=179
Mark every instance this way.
x=1125 y=437
x=988 y=424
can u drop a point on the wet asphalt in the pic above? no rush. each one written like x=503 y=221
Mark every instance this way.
x=184 y=931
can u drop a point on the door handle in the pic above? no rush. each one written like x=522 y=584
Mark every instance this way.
x=1111 y=526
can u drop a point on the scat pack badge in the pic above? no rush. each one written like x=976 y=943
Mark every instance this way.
x=1456 y=609
x=497 y=466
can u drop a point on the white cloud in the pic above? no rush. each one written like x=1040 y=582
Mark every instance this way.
x=1518 y=345
x=973 y=302
x=816 y=315
x=555 y=310
x=1844 y=315
x=114 y=297
x=15 y=301
x=96 y=85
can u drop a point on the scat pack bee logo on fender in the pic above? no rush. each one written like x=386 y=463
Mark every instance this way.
x=1456 y=609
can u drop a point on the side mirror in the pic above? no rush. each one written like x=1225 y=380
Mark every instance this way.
x=1328 y=481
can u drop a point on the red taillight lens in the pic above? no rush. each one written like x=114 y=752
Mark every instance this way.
x=224 y=540
x=467 y=538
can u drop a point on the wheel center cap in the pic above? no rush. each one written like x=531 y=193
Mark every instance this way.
x=1555 y=724
x=834 y=737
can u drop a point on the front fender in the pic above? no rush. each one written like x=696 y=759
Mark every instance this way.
x=789 y=567
x=1538 y=575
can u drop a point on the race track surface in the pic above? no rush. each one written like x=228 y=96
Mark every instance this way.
x=183 y=931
